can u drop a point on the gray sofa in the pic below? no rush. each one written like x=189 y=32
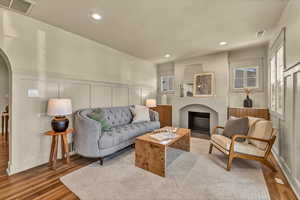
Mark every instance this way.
x=90 y=141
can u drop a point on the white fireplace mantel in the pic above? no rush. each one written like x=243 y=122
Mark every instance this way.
x=219 y=105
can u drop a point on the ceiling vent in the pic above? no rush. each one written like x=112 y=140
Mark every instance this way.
x=21 y=6
x=260 y=34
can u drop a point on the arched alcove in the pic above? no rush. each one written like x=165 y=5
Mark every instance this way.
x=4 y=61
x=199 y=108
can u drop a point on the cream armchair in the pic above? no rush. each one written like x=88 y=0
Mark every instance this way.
x=257 y=146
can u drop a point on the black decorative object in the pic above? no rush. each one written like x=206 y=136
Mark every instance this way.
x=60 y=124
x=248 y=102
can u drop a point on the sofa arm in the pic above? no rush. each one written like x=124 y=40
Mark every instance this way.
x=154 y=116
x=87 y=135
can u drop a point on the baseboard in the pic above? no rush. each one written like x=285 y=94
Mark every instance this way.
x=293 y=183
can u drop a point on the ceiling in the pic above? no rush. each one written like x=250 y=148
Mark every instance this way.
x=149 y=29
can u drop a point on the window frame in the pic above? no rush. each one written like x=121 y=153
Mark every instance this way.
x=245 y=77
x=278 y=44
x=161 y=84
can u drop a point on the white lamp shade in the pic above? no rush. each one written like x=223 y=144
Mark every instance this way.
x=151 y=103
x=59 y=107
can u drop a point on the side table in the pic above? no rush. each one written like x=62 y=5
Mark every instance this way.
x=54 y=146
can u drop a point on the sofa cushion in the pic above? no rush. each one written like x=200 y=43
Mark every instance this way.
x=240 y=147
x=119 y=134
x=98 y=115
x=140 y=114
x=117 y=116
x=261 y=129
x=238 y=126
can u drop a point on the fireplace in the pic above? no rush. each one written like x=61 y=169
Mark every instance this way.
x=199 y=122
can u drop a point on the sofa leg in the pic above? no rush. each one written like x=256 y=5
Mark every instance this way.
x=210 y=148
x=101 y=161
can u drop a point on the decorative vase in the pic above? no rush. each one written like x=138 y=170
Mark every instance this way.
x=248 y=102
x=181 y=90
x=60 y=124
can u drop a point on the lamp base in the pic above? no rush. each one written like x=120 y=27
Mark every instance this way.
x=60 y=124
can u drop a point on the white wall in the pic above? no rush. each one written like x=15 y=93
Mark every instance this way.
x=290 y=20
x=249 y=55
x=216 y=63
x=61 y=64
x=4 y=85
x=222 y=65
x=287 y=145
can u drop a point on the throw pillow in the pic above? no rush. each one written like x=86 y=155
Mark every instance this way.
x=236 y=126
x=140 y=114
x=98 y=115
x=262 y=129
x=139 y=106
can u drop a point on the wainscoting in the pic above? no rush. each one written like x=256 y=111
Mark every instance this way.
x=29 y=119
x=287 y=147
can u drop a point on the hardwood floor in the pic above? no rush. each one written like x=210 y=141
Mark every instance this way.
x=43 y=183
x=3 y=156
x=277 y=191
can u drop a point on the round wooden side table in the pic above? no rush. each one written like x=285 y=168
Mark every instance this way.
x=54 y=146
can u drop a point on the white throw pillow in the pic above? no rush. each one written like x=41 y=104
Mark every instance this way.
x=140 y=114
x=139 y=106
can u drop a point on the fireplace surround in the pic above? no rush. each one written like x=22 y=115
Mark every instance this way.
x=199 y=122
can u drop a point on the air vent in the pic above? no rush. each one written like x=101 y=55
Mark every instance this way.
x=21 y=6
x=260 y=34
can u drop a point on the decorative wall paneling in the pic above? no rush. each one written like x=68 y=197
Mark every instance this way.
x=30 y=111
x=287 y=148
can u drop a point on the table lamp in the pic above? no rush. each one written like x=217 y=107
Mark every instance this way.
x=150 y=103
x=59 y=108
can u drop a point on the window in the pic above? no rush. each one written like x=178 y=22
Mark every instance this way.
x=246 y=77
x=277 y=81
x=167 y=84
x=273 y=83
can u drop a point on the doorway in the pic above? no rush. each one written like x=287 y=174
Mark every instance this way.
x=5 y=85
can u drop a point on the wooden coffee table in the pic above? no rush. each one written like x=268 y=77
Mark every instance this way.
x=151 y=154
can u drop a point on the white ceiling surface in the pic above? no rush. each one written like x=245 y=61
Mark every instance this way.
x=148 y=29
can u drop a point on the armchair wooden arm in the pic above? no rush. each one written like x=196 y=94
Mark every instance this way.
x=235 y=137
x=268 y=148
x=214 y=131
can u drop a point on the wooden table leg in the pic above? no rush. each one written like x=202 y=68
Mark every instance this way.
x=51 y=151
x=53 y=155
x=65 y=149
x=2 y=123
x=151 y=157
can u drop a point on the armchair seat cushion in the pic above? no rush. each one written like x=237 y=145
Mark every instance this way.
x=239 y=147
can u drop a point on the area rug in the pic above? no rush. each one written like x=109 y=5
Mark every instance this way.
x=194 y=175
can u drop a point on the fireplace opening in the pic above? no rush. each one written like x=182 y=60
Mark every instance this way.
x=199 y=123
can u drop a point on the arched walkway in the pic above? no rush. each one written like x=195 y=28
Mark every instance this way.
x=5 y=112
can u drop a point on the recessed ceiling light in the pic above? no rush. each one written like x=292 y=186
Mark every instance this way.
x=96 y=16
x=223 y=43
x=167 y=56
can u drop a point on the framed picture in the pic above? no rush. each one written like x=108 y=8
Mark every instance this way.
x=204 y=84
